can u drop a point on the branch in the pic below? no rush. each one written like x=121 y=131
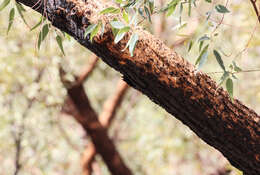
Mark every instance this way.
x=109 y=110
x=88 y=119
x=80 y=108
x=88 y=70
x=168 y=80
x=108 y=113
x=253 y=2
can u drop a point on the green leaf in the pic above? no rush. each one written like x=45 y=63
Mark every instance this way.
x=43 y=34
x=89 y=29
x=236 y=68
x=209 y=1
x=203 y=59
x=189 y=9
x=200 y=45
x=121 y=33
x=219 y=60
x=190 y=45
x=179 y=26
x=221 y=9
x=4 y=4
x=223 y=78
x=141 y=12
x=20 y=10
x=229 y=86
x=119 y=1
x=151 y=5
x=42 y=19
x=11 y=19
x=110 y=10
x=203 y=56
x=132 y=43
x=203 y=38
x=95 y=31
x=170 y=10
x=67 y=36
x=131 y=3
x=208 y=14
x=134 y=19
x=171 y=7
x=59 y=41
x=117 y=24
x=147 y=12
x=125 y=17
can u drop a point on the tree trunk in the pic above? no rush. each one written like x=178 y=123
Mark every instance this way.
x=168 y=80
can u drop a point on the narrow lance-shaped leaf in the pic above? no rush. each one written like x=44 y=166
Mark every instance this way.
x=125 y=17
x=171 y=7
x=43 y=34
x=42 y=19
x=59 y=41
x=229 y=86
x=221 y=9
x=189 y=9
x=190 y=45
x=4 y=4
x=11 y=19
x=141 y=12
x=110 y=10
x=151 y=6
x=133 y=40
x=202 y=57
x=121 y=33
x=134 y=19
x=200 y=45
x=219 y=60
x=95 y=31
x=236 y=68
x=20 y=10
x=203 y=38
x=223 y=78
x=132 y=43
x=148 y=14
x=117 y=24
x=89 y=29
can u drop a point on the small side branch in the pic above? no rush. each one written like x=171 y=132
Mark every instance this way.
x=255 y=8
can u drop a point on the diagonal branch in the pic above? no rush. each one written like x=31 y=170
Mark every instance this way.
x=108 y=113
x=90 y=117
x=168 y=80
x=87 y=117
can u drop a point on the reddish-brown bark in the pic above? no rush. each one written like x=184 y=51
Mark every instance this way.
x=108 y=113
x=168 y=80
x=90 y=118
x=82 y=111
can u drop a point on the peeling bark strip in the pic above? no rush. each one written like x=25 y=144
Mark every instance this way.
x=168 y=80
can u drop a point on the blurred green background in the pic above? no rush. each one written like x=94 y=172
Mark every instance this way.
x=151 y=141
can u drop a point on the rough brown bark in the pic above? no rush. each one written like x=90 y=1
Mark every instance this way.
x=168 y=80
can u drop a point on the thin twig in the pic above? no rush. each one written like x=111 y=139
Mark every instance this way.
x=256 y=9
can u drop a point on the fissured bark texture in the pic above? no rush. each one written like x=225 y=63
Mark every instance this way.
x=168 y=80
